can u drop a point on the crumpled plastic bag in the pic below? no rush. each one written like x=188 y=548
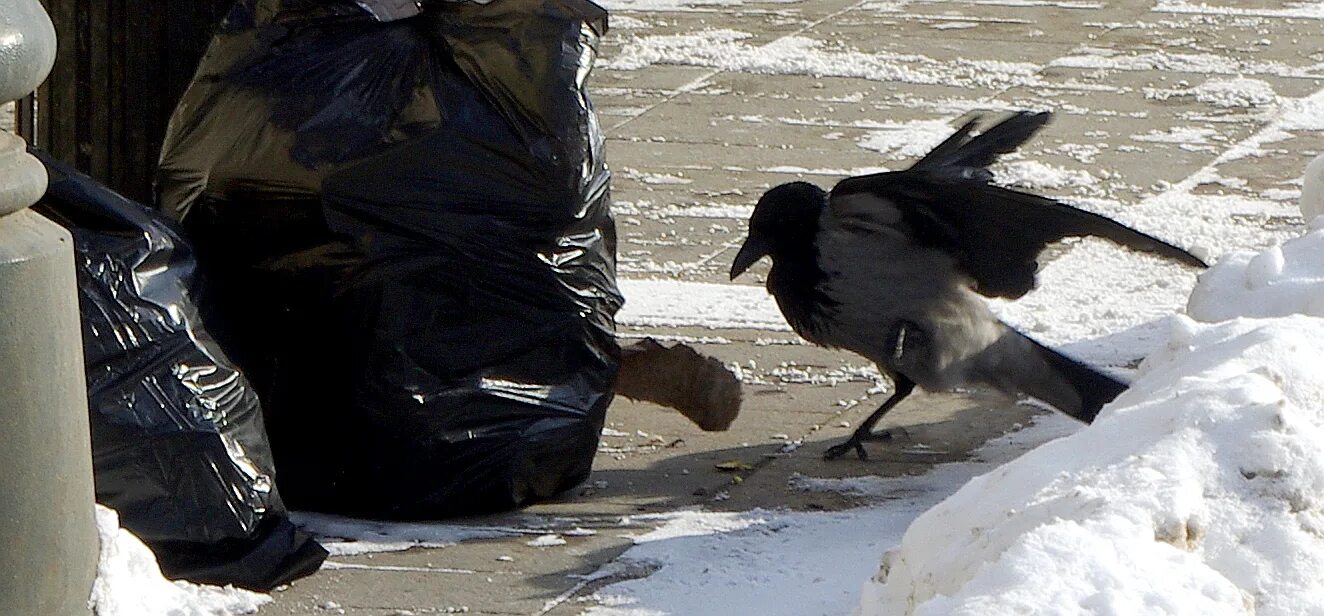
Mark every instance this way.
x=178 y=443
x=408 y=232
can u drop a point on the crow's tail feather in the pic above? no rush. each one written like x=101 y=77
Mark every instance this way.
x=1016 y=364
x=1092 y=388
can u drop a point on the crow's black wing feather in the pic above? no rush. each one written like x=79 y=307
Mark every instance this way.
x=995 y=233
x=963 y=155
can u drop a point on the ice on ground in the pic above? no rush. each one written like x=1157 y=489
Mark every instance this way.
x=129 y=582
x=1199 y=491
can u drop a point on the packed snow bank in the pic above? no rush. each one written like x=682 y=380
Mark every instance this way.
x=129 y=582
x=1312 y=190
x=1281 y=280
x=1199 y=491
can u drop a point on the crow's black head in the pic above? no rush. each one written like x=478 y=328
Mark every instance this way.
x=785 y=221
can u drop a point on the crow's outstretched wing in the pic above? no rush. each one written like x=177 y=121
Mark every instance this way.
x=994 y=233
x=946 y=201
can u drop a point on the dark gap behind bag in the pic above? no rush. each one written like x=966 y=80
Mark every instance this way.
x=178 y=444
x=408 y=232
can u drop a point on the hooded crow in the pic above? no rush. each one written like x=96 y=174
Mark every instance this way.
x=895 y=266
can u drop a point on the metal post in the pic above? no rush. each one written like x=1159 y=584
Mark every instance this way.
x=48 y=540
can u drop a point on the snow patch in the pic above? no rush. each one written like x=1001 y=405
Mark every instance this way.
x=546 y=541
x=669 y=303
x=1042 y=176
x=343 y=536
x=1236 y=93
x=129 y=582
x=825 y=171
x=1180 y=135
x=783 y=563
x=1223 y=93
x=1206 y=63
x=1302 y=10
x=676 y=5
x=728 y=50
x=625 y=22
x=906 y=139
x=654 y=178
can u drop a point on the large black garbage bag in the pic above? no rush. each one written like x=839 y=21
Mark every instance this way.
x=407 y=225
x=178 y=443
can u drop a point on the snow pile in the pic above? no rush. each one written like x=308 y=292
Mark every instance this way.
x=129 y=582
x=1198 y=491
x=1312 y=190
x=1281 y=280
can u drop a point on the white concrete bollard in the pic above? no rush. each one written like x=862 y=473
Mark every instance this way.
x=48 y=539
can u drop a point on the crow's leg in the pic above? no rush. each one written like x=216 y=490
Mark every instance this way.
x=902 y=387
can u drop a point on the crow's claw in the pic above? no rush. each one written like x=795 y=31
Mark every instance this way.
x=836 y=451
x=856 y=443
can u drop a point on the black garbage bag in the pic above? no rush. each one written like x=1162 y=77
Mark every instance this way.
x=407 y=225
x=178 y=443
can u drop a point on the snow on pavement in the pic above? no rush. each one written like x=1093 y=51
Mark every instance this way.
x=780 y=562
x=343 y=536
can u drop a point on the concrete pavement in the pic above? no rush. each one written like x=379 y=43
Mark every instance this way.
x=707 y=104
x=700 y=122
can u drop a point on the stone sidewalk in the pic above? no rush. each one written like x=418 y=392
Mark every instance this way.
x=708 y=103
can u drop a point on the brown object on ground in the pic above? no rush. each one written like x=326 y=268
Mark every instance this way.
x=679 y=377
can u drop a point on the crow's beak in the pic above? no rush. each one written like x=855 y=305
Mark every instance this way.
x=755 y=248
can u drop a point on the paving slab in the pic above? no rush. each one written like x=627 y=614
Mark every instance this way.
x=694 y=139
